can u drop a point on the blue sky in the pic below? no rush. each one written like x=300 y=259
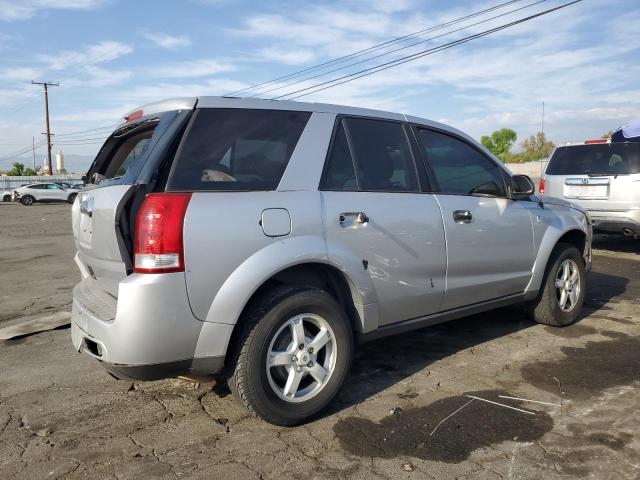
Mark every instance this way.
x=113 y=55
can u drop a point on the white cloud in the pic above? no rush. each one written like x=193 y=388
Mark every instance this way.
x=101 y=52
x=286 y=56
x=19 y=74
x=166 y=41
x=192 y=68
x=25 y=9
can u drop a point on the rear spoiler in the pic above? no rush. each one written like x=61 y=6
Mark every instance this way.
x=182 y=103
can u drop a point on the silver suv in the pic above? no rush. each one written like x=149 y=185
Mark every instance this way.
x=601 y=177
x=262 y=240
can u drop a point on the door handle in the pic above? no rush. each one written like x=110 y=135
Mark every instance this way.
x=462 y=216
x=359 y=217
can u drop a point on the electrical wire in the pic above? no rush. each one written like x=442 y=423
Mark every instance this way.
x=385 y=66
x=401 y=48
x=373 y=48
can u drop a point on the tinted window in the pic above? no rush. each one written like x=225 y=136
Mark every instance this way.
x=53 y=186
x=39 y=187
x=236 y=149
x=458 y=167
x=383 y=156
x=340 y=173
x=605 y=158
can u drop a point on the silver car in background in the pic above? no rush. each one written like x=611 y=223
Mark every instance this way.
x=262 y=240
x=601 y=177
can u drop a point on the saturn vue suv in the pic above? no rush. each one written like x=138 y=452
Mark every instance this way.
x=261 y=241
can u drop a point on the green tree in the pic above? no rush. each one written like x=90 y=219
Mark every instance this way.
x=30 y=172
x=606 y=136
x=536 y=147
x=500 y=142
x=17 y=170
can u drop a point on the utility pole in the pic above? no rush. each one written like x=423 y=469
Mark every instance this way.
x=33 y=152
x=46 y=86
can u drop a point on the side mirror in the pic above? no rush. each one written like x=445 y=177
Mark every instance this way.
x=522 y=187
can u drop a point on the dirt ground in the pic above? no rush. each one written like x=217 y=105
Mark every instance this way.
x=61 y=416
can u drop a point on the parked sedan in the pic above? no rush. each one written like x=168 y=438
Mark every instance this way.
x=44 y=192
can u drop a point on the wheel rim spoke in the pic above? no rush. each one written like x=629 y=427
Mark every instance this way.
x=559 y=283
x=573 y=298
x=297 y=331
x=320 y=340
x=563 y=299
x=565 y=271
x=319 y=373
x=277 y=359
x=293 y=382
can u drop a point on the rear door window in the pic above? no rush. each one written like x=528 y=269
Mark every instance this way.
x=340 y=173
x=236 y=149
x=596 y=159
x=460 y=169
x=383 y=157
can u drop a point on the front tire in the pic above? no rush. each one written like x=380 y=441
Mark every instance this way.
x=563 y=289
x=292 y=355
x=27 y=200
x=72 y=198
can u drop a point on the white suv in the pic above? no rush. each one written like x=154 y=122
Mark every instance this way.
x=44 y=192
x=601 y=177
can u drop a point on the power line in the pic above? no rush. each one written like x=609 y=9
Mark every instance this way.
x=401 y=48
x=106 y=127
x=372 y=48
x=384 y=66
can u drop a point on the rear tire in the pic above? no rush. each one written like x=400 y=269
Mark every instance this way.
x=6 y=198
x=563 y=288
x=279 y=376
x=72 y=198
x=27 y=200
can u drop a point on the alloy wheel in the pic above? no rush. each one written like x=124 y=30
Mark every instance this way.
x=301 y=357
x=568 y=285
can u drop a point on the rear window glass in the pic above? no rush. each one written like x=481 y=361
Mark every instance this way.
x=125 y=152
x=236 y=149
x=597 y=159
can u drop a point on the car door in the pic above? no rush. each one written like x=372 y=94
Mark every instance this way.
x=37 y=191
x=55 y=192
x=374 y=211
x=490 y=250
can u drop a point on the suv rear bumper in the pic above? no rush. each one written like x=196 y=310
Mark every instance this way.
x=625 y=222
x=147 y=333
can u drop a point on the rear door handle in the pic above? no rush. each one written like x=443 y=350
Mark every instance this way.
x=462 y=216
x=358 y=217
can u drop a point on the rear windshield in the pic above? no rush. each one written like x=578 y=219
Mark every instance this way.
x=236 y=149
x=597 y=159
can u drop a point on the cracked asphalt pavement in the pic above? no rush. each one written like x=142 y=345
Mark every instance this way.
x=61 y=416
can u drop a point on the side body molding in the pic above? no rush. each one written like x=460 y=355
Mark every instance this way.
x=245 y=280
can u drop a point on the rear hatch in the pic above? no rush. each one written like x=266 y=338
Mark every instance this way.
x=599 y=177
x=133 y=161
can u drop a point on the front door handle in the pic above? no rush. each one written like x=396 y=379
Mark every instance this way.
x=358 y=217
x=462 y=216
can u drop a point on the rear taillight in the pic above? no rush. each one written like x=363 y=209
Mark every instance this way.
x=541 y=186
x=158 y=242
